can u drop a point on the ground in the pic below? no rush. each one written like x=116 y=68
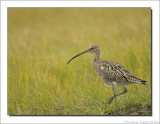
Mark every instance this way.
x=42 y=40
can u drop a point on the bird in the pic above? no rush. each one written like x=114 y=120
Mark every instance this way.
x=111 y=73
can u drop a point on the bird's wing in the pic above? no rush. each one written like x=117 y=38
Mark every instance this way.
x=118 y=71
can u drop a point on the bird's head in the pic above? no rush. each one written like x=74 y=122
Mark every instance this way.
x=94 y=49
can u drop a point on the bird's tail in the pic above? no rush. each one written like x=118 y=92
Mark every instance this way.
x=139 y=81
x=143 y=82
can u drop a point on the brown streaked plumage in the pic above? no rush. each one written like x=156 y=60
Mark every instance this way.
x=111 y=73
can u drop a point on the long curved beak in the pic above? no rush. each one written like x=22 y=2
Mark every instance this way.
x=78 y=55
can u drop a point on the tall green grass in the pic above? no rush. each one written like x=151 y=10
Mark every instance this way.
x=42 y=40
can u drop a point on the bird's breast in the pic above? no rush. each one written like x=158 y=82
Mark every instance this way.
x=100 y=70
x=97 y=68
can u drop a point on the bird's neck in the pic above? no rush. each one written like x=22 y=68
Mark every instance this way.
x=96 y=57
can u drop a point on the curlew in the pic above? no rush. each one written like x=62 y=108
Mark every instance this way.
x=111 y=73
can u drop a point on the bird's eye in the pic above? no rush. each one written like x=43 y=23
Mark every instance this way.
x=91 y=48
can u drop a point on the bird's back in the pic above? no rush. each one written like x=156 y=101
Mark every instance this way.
x=114 y=74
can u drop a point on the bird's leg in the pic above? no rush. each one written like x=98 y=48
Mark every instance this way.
x=125 y=91
x=115 y=97
x=111 y=98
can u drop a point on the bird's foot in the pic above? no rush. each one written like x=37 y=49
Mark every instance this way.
x=110 y=100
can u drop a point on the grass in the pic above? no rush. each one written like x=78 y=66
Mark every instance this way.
x=42 y=40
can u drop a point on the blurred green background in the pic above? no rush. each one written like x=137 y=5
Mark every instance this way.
x=42 y=40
